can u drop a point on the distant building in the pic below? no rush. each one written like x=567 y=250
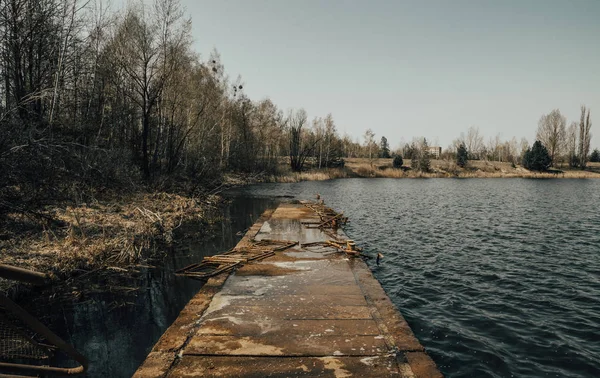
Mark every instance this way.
x=435 y=151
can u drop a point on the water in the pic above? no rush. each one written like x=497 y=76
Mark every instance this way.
x=496 y=277
x=117 y=330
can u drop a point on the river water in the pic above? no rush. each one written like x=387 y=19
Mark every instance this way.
x=116 y=330
x=496 y=277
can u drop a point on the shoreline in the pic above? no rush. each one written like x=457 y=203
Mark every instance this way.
x=116 y=236
x=122 y=233
x=382 y=168
x=332 y=174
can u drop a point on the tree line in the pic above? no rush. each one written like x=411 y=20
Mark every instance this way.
x=563 y=146
x=91 y=100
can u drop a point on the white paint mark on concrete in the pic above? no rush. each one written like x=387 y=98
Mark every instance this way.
x=406 y=371
x=369 y=360
x=266 y=228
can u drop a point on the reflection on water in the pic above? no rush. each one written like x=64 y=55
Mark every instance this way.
x=116 y=331
x=497 y=278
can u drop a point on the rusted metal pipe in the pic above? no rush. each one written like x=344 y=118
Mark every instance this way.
x=16 y=376
x=23 y=275
x=42 y=369
x=41 y=329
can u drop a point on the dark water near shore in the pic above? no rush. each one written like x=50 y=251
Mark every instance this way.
x=497 y=278
x=117 y=330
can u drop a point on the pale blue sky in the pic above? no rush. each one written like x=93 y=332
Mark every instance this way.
x=428 y=68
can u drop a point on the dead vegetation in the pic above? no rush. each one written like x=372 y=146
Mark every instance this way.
x=380 y=168
x=111 y=234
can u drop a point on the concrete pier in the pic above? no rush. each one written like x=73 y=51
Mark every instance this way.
x=300 y=313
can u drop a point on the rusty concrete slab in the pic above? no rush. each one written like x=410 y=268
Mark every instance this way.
x=297 y=313
x=294 y=299
x=287 y=345
x=228 y=326
x=325 y=311
x=259 y=367
x=284 y=285
x=281 y=229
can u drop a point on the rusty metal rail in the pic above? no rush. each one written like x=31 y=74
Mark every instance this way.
x=23 y=275
x=234 y=258
x=21 y=334
x=330 y=220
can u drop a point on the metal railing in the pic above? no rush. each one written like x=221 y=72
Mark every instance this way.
x=23 y=337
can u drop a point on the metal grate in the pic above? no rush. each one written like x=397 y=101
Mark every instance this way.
x=17 y=342
x=25 y=343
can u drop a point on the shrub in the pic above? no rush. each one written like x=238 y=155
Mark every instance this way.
x=461 y=156
x=537 y=157
x=397 y=163
x=414 y=160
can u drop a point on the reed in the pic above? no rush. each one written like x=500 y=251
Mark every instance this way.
x=116 y=232
x=382 y=168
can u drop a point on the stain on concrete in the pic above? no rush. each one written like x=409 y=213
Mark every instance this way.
x=302 y=312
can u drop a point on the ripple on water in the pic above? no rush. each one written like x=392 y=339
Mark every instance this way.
x=497 y=278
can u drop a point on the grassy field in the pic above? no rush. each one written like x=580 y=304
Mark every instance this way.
x=361 y=167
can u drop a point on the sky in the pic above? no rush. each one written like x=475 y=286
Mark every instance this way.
x=405 y=69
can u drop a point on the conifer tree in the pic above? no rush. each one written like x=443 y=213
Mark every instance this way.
x=461 y=156
x=424 y=161
x=537 y=157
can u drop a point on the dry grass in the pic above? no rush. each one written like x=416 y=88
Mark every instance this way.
x=313 y=175
x=103 y=234
x=376 y=168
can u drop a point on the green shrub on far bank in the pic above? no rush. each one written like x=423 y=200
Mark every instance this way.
x=537 y=157
x=461 y=156
x=397 y=163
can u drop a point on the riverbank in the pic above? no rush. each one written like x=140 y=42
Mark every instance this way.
x=128 y=230
x=383 y=168
x=115 y=234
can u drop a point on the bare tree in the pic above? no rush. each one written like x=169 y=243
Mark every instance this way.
x=143 y=50
x=319 y=130
x=69 y=11
x=369 y=143
x=474 y=143
x=494 y=148
x=552 y=133
x=350 y=148
x=571 y=145
x=512 y=150
x=300 y=146
x=584 y=137
x=329 y=138
x=523 y=146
